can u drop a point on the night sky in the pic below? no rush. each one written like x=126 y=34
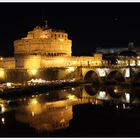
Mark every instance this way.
x=89 y=25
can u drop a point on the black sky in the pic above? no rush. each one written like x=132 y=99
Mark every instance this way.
x=89 y=25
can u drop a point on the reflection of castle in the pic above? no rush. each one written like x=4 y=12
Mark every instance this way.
x=43 y=113
x=49 y=116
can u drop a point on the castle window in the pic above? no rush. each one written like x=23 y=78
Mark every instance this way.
x=55 y=36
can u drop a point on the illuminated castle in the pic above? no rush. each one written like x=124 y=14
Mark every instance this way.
x=45 y=48
x=40 y=46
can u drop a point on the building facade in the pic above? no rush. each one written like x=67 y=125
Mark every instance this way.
x=46 y=47
x=45 y=53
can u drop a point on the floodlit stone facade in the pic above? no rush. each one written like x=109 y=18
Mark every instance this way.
x=45 y=47
x=46 y=42
x=47 y=54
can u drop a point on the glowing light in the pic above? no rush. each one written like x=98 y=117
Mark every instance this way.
x=2 y=108
x=96 y=102
x=9 y=84
x=71 y=69
x=118 y=61
x=34 y=101
x=127 y=73
x=33 y=114
x=33 y=71
x=124 y=106
x=132 y=63
x=63 y=120
x=115 y=90
x=74 y=62
x=127 y=96
x=34 y=107
x=3 y=120
x=1 y=58
x=102 y=94
x=61 y=39
x=73 y=89
x=2 y=73
x=102 y=72
x=71 y=97
x=138 y=62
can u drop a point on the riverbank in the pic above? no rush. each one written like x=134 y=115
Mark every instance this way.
x=34 y=89
x=26 y=90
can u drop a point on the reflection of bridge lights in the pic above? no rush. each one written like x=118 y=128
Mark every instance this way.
x=2 y=108
x=138 y=62
x=102 y=94
x=34 y=107
x=127 y=97
x=73 y=89
x=3 y=120
x=132 y=63
x=96 y=102
x=118 y=61
x=33 y=114
x=127 y=73
x=116 y=90
x=124 y=106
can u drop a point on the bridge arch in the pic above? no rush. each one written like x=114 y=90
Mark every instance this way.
x=91 y=90
x=115 y=91
x=115 y=76
x=91 y=76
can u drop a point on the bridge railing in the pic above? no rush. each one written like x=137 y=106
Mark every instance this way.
x=109 y=66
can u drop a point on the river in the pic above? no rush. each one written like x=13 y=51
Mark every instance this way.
x=82 y=111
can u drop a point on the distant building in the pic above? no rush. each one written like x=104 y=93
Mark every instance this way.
x=122 y=56
x=117 y=50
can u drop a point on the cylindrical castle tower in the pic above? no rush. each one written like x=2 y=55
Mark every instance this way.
x=39 y=43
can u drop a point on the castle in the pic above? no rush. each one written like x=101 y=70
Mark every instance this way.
x=44 y=48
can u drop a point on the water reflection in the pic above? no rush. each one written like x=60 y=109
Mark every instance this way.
x=51 y=115
x=54 y=110
x=45 y=116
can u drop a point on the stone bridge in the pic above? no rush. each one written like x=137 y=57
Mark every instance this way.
x=95 y=74
x=112 y=73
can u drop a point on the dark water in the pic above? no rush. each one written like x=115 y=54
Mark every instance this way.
x=85 y=111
